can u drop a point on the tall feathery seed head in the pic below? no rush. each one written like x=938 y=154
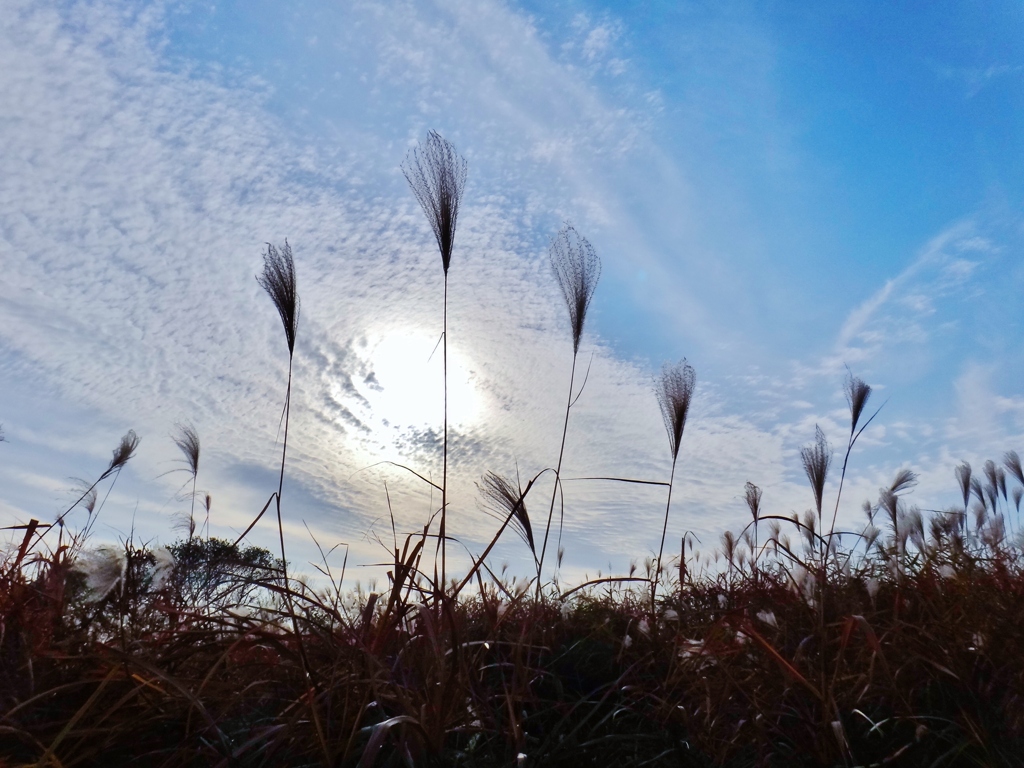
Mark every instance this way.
x=1012 y=462
x=753 y=499
x=992 y=494
x=978 y=490
x=278 y=280
x=124 y=451
x=857 y=394
x=675 y=391
x=88 y=502
x=729 y=546
x=437 y=176
x=963 y=478
x=890 y=502
x=187 y=441
x=163 y=568
x=507 y=501
x=816 y=459
x=991 y=475
x=104 y=569
x=905 y=480
x=577 y=270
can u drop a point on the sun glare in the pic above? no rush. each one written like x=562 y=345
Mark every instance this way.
x=407 y=386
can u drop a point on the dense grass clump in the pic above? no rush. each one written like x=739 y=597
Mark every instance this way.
x=898 y=642
x=197 y=663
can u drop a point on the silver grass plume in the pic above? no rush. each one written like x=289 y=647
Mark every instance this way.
x=124 y=451
x=507 y=503
x=729 y=546
x=816 y=460
x=104 y=569
x=121 y=455
x=577 y=270
x=905 y=480
x=674 y=392
x=995 y=532
x=278 y=280
x=88 y=501
x=857 y=394
x=942 y=525
x=187 y=441
x=890 y=502
x=992 y=494
x=1012 y=462
x=437 y=175
x=869 y=510
x=980 y=515
x=888 y=498
x=753 y=499
x=992 y=476
x=162 y=570
x=963 y=477
x=978 y=490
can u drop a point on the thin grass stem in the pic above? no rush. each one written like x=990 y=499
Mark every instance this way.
x=664 y=531
x=558 y=474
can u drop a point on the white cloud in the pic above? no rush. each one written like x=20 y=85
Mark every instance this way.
x=134 y=209
x=911 y=310
x=139 y=191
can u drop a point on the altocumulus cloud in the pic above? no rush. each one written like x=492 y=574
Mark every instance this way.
x=135 y=206
x=136 y=201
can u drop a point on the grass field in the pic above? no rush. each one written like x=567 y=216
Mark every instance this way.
x=906 y=654
x=897 y=642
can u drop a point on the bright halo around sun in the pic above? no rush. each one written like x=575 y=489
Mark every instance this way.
x=406 y=389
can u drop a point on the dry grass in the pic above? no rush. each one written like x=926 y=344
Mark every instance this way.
x=786 y=647
x=922 y=662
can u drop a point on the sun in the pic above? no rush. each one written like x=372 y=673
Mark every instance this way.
x=405 y=388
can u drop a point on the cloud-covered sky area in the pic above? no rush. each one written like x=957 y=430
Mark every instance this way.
x=776 y=192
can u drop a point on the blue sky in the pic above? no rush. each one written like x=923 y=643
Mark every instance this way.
x=775 y=193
